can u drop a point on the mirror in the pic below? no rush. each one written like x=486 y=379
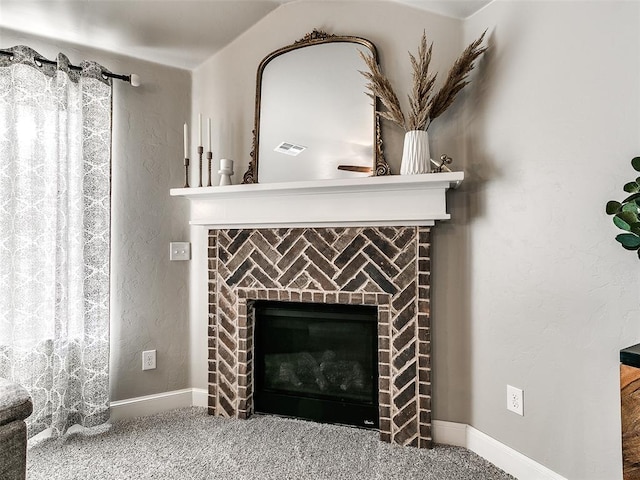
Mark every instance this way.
x=313 y=118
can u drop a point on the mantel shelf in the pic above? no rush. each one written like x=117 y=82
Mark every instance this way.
x=384 y=200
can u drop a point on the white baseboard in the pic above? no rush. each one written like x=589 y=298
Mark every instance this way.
x=200 y=397
x=450 y=433
x=506 y=458
x=150 y=404
x=502 y=456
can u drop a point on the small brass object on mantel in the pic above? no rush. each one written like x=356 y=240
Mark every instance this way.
x=442 y=165
x=355 y=168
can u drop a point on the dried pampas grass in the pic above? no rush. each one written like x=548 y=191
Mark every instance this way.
x=424 y=106
x=380 y=87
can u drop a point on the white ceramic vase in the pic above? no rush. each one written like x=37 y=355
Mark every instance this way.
x=225 y=172
x=415 y=154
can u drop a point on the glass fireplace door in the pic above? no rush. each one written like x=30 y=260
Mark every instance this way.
x=317 y=362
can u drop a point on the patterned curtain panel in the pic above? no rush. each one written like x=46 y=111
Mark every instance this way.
x=55 y=171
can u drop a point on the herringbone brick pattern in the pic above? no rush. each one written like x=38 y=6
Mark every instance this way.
x=385 y=266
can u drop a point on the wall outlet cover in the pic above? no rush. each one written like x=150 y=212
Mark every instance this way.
x=515 y=400
x=148 y=360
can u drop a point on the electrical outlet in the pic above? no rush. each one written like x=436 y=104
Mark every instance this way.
x=149 y=360
x=515 y=400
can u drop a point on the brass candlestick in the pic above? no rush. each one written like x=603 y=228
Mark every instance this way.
x=209 y=157
x=186 y=173
x=200 y=151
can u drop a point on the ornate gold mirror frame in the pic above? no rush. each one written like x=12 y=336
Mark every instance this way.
x=379 y=165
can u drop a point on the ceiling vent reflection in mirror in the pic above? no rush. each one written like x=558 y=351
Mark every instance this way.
x=289 y=149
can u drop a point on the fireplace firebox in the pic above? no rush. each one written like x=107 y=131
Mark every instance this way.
x=317 y=362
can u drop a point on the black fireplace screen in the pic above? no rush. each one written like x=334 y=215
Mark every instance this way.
x=317 y=361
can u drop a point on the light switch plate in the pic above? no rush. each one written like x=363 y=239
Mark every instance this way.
x=179 y=251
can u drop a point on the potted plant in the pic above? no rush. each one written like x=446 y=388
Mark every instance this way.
x=626 y=214
x=425 y=104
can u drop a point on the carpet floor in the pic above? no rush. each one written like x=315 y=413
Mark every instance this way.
x=189 y=444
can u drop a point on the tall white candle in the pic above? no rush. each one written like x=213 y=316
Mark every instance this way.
x=199 y=130
x=186 y=141
x=209 y=133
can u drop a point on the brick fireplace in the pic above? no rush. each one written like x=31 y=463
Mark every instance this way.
x=361 y=240
x=387 y=266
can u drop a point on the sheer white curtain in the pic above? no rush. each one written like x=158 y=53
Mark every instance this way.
x=55 y=170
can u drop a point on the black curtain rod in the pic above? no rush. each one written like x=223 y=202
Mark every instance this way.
x=126 y=78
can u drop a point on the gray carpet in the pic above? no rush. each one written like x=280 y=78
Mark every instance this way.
x=189 y=444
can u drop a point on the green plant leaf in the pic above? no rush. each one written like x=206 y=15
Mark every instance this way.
x=635 y=228
x=629 y=217
x=621 y=224
x=630 y=198
x=631 y=187
x=629 y=241
x=635 y=163
x=630 y=207
x=614 y=207
x=624 y=220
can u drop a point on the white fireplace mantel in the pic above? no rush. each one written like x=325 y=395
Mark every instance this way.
x=371 y=201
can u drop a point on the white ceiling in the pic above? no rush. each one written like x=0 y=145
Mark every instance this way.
x=450 y=8
x=181 y=33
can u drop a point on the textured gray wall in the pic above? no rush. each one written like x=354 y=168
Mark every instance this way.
x=551 y=296
x=149 y=295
